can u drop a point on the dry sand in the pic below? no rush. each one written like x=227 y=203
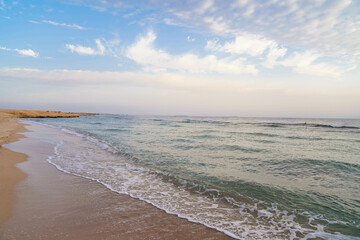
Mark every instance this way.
x=51 y=204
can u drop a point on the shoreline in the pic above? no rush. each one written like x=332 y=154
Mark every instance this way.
x=10 y=175
x=55 y=205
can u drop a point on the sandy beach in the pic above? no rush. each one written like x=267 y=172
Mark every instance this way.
x=10 y=130
x=9 y=174
x=43 y=203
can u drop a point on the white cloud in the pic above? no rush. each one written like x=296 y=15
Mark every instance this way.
x=308 y=25
x=24 y=52
x=252 y=45
x=274 y=53
x=27 y=52
x=304 y=63
x=316 y=25
x=2 y=4
x=32 y=21
x=301 y=59
x=249 y=11
x=82 y=50
x=143 y=52
x=218 y=25
x=239 y=3
x=74 y=26
x=169 y=21
x=262 y=48
x=190 y=39
x=99 y=8
x=204 y=6
x=245 y=43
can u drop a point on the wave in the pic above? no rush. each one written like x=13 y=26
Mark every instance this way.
x=243 y=149
x=116 y=130
x=205 y=121
x=321 y=166
x=262 y=134
x=269 y=124
x=305 y=124
x=158 y=120
x=205 y=136
x=331 y=126
x=183 y=140
x=96 y=123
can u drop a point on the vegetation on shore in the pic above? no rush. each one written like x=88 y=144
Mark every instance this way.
x=41 y=113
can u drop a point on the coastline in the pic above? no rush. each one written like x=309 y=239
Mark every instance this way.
x=55 y=205
x=21 y=113
x=10 y=175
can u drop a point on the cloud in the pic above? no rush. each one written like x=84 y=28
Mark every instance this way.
x=315 y=25
x=304 y=63
x=169 y=21
x=32 y=21
x=82 y=50
x=2 y=4
x=27 y=52
x=204 y=6
x=64 y=75
x=274 y=53
x=239 y=3
x=144 y=53
x=190 y=39
x=270 y=54
x=173 y=81
x=24 y=52
x=174 y=93
x=218 y=25
x=250 y=44
x=74 y=26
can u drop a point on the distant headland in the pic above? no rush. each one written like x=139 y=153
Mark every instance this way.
x=19 y=113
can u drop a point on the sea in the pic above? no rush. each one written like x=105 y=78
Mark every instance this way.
x=251 y=178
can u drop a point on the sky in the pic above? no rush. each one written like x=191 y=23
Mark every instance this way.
x=263 y=58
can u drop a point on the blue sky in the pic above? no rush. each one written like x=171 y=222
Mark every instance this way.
x=234 y=58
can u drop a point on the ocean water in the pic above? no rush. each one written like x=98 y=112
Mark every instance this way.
x=252 y=178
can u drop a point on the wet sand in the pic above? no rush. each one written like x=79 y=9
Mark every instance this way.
x=54 y=205
x=10 y=175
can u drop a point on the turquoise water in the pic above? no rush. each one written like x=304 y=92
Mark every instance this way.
x=252 y=178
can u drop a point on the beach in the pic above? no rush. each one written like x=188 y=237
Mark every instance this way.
x=146 y=177
x=9 y=174
x=41 y=202
x=204 y=119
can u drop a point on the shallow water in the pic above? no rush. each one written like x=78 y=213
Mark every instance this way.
x=251 y=178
